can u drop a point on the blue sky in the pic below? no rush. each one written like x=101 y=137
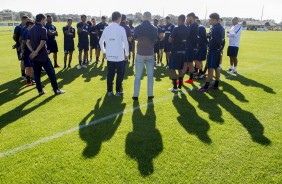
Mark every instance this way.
x=241 y=8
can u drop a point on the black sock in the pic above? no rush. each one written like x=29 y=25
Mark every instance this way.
x=97 y=59
x=207 y=85
x=161 y=59
x=216 y=83
x=191 y=76
x=180 y=82
x=201 y=71
x=28 y=80
x=174 y=81
x=23 y=73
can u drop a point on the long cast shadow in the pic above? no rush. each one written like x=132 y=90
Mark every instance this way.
x=190 y=120
x=95 y=133
x=144 y=143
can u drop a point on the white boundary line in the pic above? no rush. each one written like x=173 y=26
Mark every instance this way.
x=60 y=134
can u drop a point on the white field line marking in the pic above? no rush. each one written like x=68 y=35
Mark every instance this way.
x=60 y=134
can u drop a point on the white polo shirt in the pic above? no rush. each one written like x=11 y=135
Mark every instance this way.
x=115 y=38
x=234 y=35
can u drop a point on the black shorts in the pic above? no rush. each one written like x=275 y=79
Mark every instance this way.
x=167 y=46
x=201 y=54
x=27 y=61
x=232 y=51
x=157 y=47
x=94 y=43
x=52 y=46
x=191 y=55
x=213 y=59
x=177 y=59
x=132 y=46
x=83 y=46
x=68 y=47
x=161 y=45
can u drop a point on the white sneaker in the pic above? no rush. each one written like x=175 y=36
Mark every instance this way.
x=79 y=67
x=230 y=69
x=84 y=66
x=110 y=94
x=234 y=70
x=173 y=90
x=120 y=94
x=59 y=92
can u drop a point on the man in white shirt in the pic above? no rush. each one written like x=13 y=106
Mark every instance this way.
x=116 y=52
x=234 y=36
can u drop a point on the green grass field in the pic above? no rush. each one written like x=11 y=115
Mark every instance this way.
x=227 y=136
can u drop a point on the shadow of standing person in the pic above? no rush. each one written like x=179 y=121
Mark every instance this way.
x=144 y=143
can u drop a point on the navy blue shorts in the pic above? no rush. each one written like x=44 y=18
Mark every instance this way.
x=68 y=47
x=191 y=55
x=232 y=51
x=27 y=61
x=52 y=46
x=201 y=54
x=18 y=50
x=83 y=46
x=161 y=45
x=213 y=59
x=157 y=47
x=167 y=46
x=176 y=61
x=94 y=43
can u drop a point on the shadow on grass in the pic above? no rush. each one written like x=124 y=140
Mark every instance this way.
x=20 y=111
x=144 y=143
x=95 y=133
x=246 y=118
x=12 y=90
x=190 y=120
x=248 y=82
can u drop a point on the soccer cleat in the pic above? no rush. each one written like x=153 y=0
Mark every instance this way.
x=135 y=98
x=230 y=69
x=84 y=66
x=214 y=88
x=202 y=90
x=120 y=94
x=79 y=67
x=190 y=81
x=59 y=92
x=173 y=90
x=29 y=84
x=69 y=66
x=234 y=70
x=200 y=76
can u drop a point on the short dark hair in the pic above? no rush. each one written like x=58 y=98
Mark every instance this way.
x=69 y=19
x=215 y=16
x=89 y=23
x=25 y=17
x=40 y=17
x=191 y=15
x=167 y=17
x=48 y=16
x=123 y=17
x=115 y=16
x=156 y=20
x=196 y=17
x=182 y=18
x=103 y=17
x=83 y=16
x=28 y=23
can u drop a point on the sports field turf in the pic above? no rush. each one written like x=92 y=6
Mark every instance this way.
x=227 y=136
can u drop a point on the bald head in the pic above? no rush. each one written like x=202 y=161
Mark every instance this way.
x=147 y=16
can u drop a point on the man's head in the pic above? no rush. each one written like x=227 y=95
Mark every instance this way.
x=191 y=17
x=156 y=22
x=147 y=16
x=214 y=18
x=235 y=21
x=198 y=21
x=116 y=17
x=40 y=19
x=93 y=20
x=130 y=22
x=161 y=22
x=181 y=20
x=83 y=18
x=123 y=18
x=69 y=21
x=103 y=19
x=29 y=23
x=49 y=19
x=24 y=19
x=167 y=20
